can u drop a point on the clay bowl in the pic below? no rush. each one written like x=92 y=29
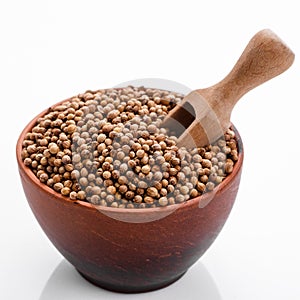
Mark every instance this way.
x=130 y=250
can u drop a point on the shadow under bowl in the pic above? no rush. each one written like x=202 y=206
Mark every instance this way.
x=130 y=250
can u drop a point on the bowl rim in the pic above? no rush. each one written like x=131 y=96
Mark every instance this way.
x=202 y=198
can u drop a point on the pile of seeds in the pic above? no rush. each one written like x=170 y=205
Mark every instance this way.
x=106 y=147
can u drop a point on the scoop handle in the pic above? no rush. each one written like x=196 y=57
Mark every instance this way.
x=265 y=57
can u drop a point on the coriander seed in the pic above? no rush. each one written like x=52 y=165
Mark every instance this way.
x=108 y=148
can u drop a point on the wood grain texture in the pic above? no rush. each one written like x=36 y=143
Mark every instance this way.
x=265 y=57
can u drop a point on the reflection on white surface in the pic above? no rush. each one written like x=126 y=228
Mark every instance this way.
x=65 y=283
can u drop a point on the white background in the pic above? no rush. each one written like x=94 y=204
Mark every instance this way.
x=51 y=50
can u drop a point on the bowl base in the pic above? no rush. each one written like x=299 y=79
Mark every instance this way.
x=129 y=289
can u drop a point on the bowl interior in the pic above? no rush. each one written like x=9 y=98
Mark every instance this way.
x=125 y=214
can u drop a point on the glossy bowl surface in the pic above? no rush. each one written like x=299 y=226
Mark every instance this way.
x=130 y=250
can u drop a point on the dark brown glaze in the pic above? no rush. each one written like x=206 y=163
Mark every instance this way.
x=130 y=256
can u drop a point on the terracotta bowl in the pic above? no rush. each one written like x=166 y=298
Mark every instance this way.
x=130 y=250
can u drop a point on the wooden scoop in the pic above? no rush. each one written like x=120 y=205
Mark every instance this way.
x=204 y=115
